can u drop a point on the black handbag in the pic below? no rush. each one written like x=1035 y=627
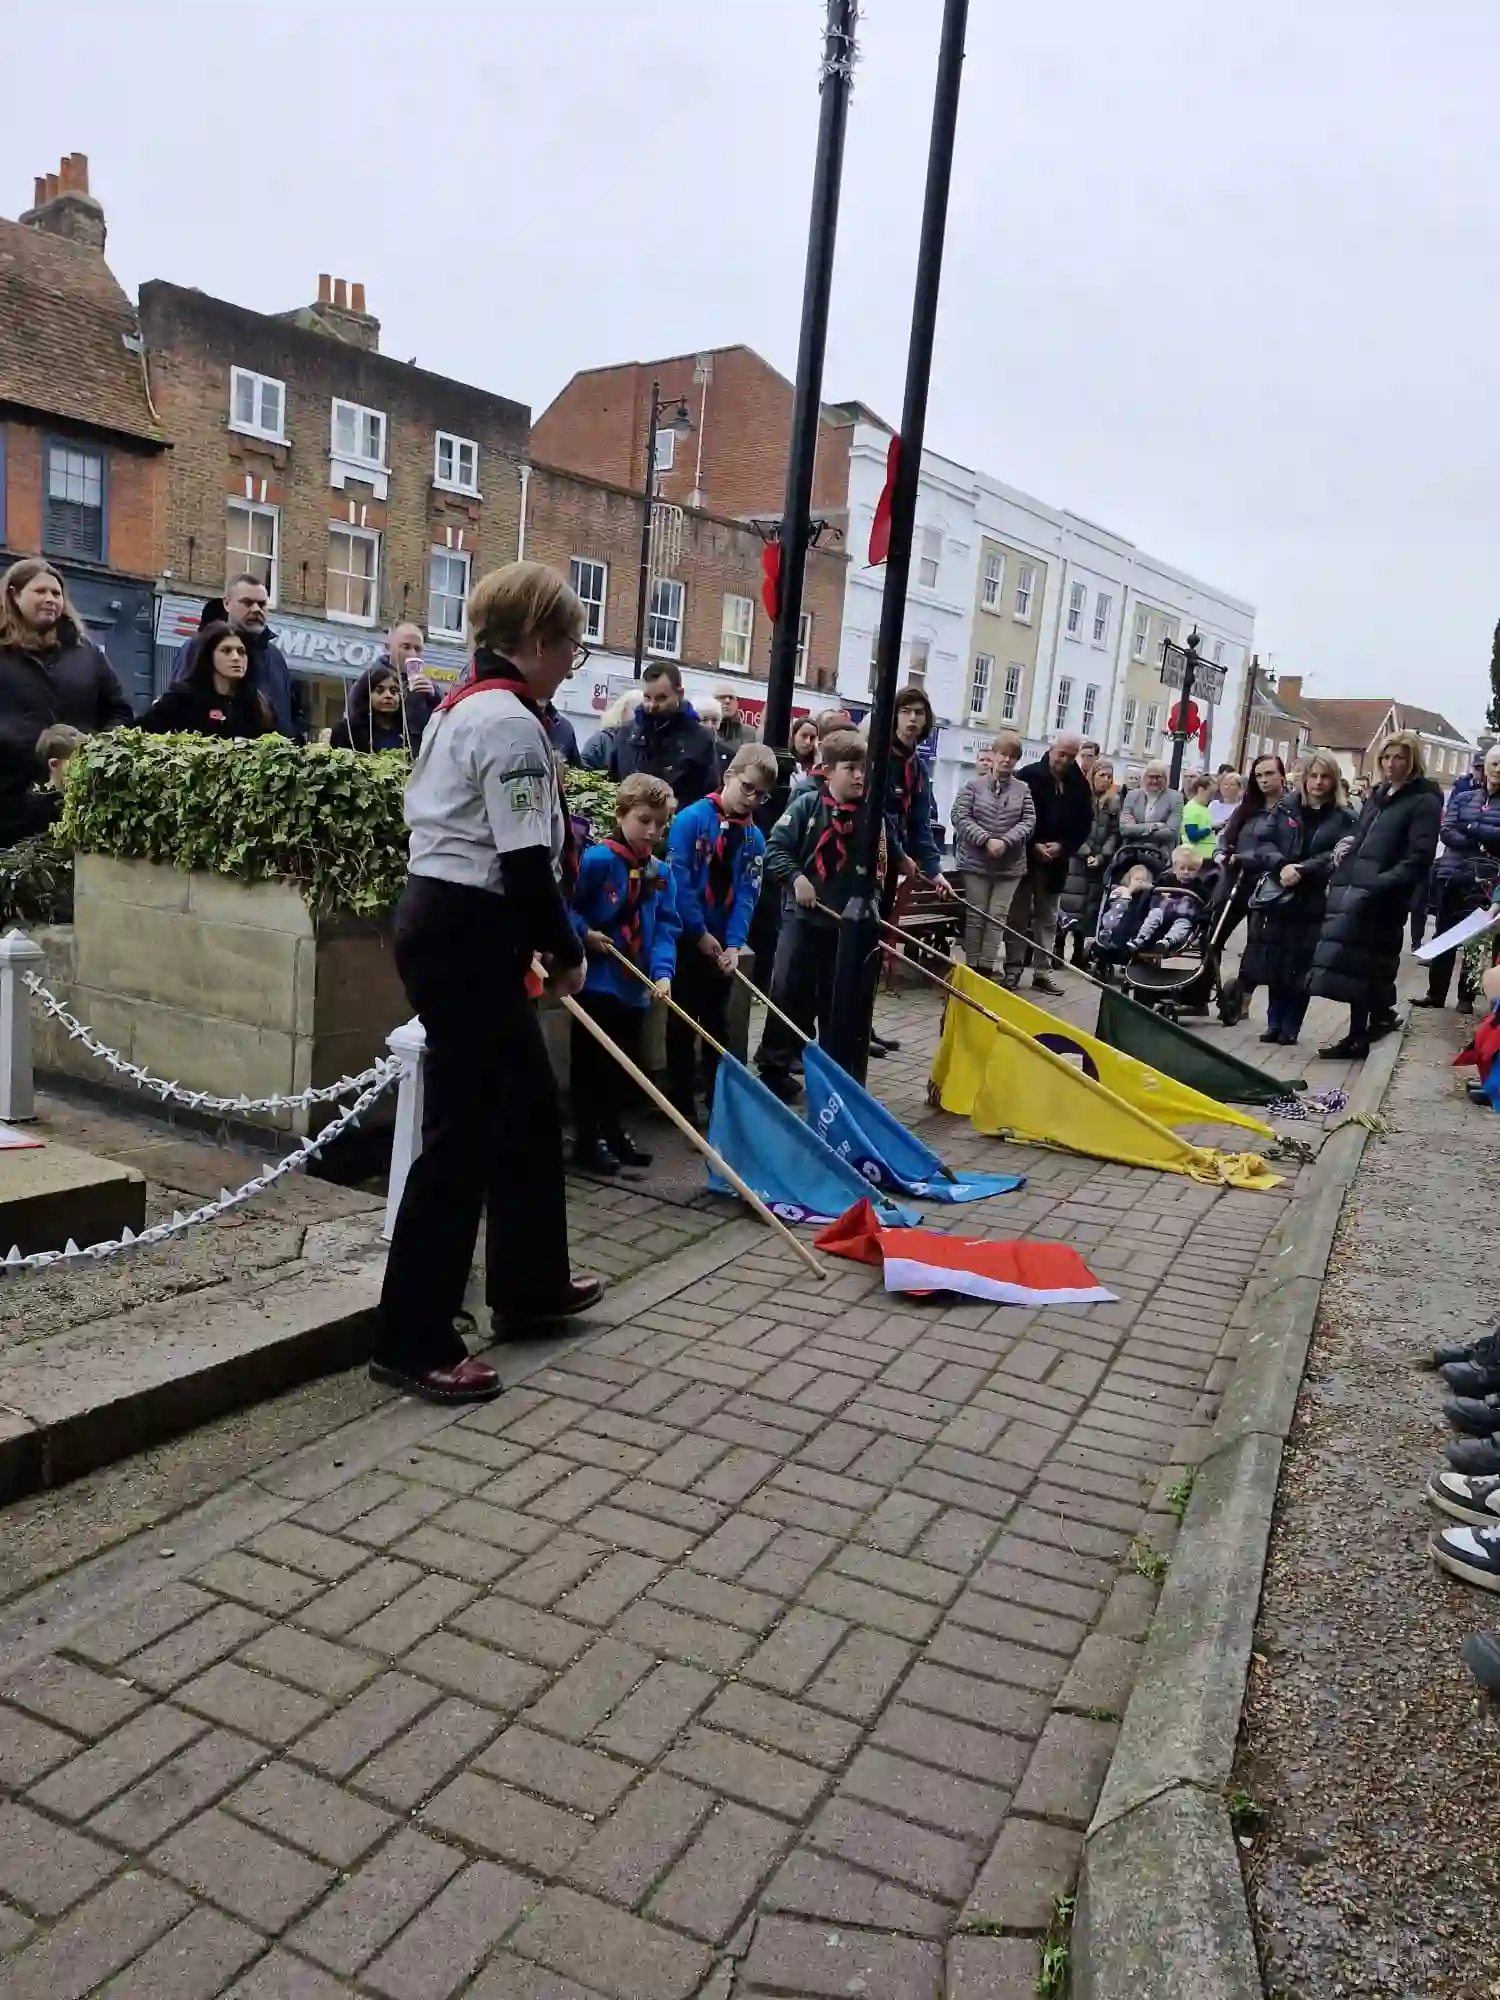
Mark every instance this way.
x=1268 y=893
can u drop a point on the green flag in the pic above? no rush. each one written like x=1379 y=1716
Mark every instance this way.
x=1151 y=1038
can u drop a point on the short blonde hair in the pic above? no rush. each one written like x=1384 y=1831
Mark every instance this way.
x=521 y=601
x=641 y=789
x=621 y=709
x=1408 y=740
x=1320 y=760
x=842 y=746
x=1008 y=739
x=1186 y=860
x=753 y=760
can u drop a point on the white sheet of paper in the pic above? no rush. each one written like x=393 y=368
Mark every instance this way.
x=1450 y=940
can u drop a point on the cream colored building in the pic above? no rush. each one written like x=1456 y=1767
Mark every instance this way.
x=1010 y=591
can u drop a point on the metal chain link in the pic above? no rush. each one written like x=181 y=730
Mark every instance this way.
x=161 y=1232
x=379 y=1073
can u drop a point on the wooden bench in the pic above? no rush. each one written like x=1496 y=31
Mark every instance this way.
x=922 y=914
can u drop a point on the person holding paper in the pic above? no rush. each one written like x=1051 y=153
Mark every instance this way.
x=1467 y=872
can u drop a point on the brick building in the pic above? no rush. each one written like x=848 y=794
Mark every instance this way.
x=1354 y=729
x=704 y=606
x=362 y=489
x=82 y=455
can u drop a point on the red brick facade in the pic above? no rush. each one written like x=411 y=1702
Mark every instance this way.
x=570 y=516
x=194 y=342
x=132 y=489
x=735 y=457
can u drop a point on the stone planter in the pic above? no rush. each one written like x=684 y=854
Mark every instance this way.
x=225 y=986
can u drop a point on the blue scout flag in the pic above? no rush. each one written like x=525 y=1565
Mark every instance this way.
x=879 y=1147
x=789 y=1166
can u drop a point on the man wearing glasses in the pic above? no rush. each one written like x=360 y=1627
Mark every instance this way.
x=717 y=856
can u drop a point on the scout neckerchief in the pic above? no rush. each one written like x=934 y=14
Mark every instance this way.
x=641 y=881
x=722 y=855
x=830 y=856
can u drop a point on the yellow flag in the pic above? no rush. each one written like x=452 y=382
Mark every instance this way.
x=1162 y=1097
x=1009 y=1083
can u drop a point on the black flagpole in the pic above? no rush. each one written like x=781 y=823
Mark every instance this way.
x=848 y=1035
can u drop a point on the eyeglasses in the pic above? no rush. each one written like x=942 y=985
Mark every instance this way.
x=580 y=654
x=756 y=795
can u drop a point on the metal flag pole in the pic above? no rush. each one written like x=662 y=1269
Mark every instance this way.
x=847 y=1037
x=835 y=85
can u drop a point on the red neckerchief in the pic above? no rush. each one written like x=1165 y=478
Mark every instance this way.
x=831 y=854
x=483 y=684
x=732 y=830
x=640 y=882
x=905 y=787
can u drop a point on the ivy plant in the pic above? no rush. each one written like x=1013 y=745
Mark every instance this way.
x=329 y=821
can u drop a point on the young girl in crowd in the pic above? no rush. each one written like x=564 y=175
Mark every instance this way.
x=383 y=713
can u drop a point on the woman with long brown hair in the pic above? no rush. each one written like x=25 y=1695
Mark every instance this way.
x=50 y=671
x=1284 y=932
x=214 y=696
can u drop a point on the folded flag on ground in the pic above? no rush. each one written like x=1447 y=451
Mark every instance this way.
x=1017 y=1071
x=1125 y=1024
x=796 y=1174
x=877 y=1145
x=928 y=1260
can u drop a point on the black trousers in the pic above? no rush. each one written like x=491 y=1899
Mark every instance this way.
x=801 y=986
x=701 y=990
x=491 y=1132
x=1455 y=901
x=602 y=1092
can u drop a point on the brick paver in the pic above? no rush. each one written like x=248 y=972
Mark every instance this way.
x=773 y=1642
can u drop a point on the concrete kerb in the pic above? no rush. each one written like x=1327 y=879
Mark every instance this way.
x=1161 y=1902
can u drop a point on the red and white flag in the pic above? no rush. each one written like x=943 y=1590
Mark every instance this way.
x=931 y=1260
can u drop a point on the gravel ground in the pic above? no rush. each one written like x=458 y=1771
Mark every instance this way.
x=1376 y=1871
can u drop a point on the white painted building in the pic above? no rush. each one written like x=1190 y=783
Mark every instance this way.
x=1028 y=615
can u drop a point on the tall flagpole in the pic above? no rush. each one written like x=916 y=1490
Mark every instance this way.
x=848 y=1034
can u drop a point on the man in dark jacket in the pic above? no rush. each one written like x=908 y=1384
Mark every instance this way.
x=1064 y=814
x=667 y=740
x=561 y=734
x=50 y=671
x=245 y=603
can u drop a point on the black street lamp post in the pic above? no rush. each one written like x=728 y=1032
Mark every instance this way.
x=848 y=1034
x=681 y=425
x=1183 y=668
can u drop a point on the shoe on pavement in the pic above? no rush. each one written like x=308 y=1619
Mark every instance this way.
x=1466 y=1498
x=468 y=1381
x=1428 y=1000
x=583 y=1294
x=628 y=1153
x=1040 y=983
x=1483 y=1351
x=1472 y=1378
x=1470 y=1553
x=1383 y=1025
x=596 y=1158
x=1464 y=1007
x=884 y=1043
x=781 y=1085
x=1271 y=1035
x=1479 y=1457
x=1477 y=1416
x=1477 y=1094
x=1481 y=1655
x=1347 y=1050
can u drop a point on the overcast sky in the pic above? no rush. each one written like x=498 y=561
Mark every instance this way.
x=1222 y=280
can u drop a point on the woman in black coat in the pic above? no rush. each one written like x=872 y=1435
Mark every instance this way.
x=1259 y=838
x=1379 y=868
x=1284 y=933
x=385 y=712
x=213 y=697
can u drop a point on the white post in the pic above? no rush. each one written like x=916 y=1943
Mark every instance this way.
x=408 y=1044
x=18 y=954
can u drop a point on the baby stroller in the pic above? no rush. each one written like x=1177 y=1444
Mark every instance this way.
x=1186 y=978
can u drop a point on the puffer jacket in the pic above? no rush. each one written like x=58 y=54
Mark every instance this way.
x=1085 y=886
x=1359 y=948
x=993 y=809
x=1471 y=839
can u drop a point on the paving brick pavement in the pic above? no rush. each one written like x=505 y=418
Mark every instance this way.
x=772 y=1642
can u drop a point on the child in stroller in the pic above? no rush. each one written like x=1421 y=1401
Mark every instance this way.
x=1145 y=917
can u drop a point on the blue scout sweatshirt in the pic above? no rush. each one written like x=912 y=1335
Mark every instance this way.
x=634 y=903
x=717 y=864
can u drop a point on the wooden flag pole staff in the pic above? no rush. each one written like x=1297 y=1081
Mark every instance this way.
x=921 y=971
x=770 y=1005
x=690 y=1132
x=666 y=999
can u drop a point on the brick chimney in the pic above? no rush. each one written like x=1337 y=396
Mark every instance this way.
x=339 y=311
x=1289 y=687
x=63 y=206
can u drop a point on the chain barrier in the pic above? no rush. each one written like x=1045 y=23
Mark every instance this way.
x=161 y=1232
x=379 y=1073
